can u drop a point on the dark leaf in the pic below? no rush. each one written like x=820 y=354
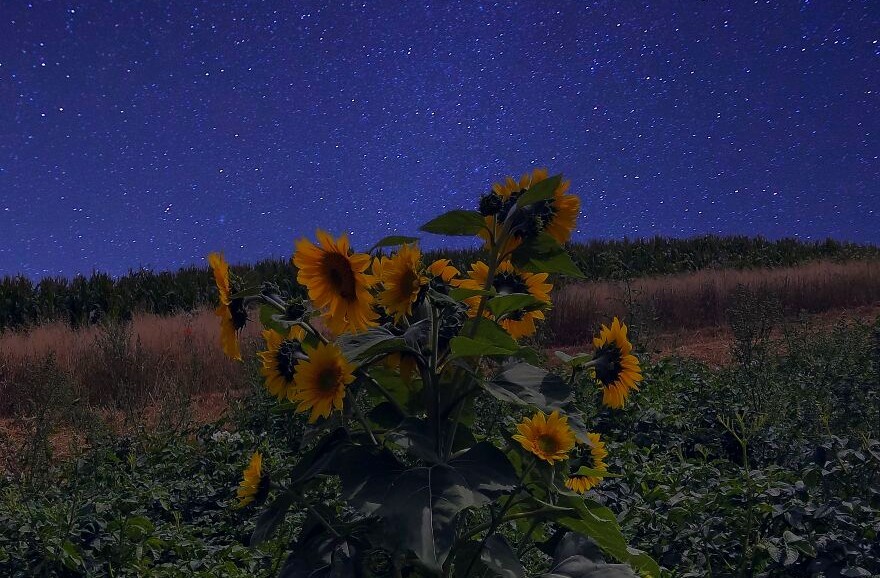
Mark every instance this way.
x=392 y=241
x=457 y=222
x=541 y=191
x=580 y=567
x=488 y=472
x=417 y=437
x=271 y=518
x=375 y=341
x=525 y=384
x=500 y=558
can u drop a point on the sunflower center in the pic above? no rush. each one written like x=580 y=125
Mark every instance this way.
x=409 y=283
x=609 y=366
x=507 y=283
x=337 y=269
x=548 y=444
x=328 y=379
x=288 y=356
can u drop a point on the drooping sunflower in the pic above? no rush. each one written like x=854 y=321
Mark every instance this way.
x=401 y=279
x=231 y=311
x=337 y=283
x=404 y=363
x=280 y=359
x=320 y=381
x=255 y=484
x=556 y=216
x=549 y=438
x=508 y=279
x=616 y=369
x=598 y=453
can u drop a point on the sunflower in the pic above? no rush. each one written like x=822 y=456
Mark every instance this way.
x=231 y=311
x=280 y=359
x=598 y=453
x=442 y=272
x=255 y=484
x=336 y=282
x=549 y=438
x=615 y=368
x=508 y=279
x=401 y=281
x=404 y=363
x=320 y=382
x=556 y=215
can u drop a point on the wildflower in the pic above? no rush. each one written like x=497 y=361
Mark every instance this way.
x=401 y=281
x=255 y=484
x=555 y=216
x=336 y=282
x=231 y=311
x=320 y=381
x=549 y=438
x=598 y=453
x=615 y=368
x=508 y=279
x=280 y=359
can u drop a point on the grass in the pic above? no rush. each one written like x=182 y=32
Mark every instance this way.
x=703 y=298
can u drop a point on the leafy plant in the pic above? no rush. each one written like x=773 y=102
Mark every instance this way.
x=391 y=385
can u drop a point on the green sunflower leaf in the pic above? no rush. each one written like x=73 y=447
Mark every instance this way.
x=489 y=331
x=457 y=222
x=544 y=254
x=268 y=316
x=504 y=304
x=599 y=523
x=372 y=343
x=467 y=347
x=539 y=192
x=392 y=241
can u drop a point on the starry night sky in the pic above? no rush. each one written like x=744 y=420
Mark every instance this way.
x=143 y=133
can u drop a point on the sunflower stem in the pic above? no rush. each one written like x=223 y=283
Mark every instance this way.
x=270 y=300
x=458 y=405
x=499 y=519
x=323 y=521
x=363 y=422
x=435 y=381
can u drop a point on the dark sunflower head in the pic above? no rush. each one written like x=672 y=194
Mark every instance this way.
x=507 y=282
x=239 y=313
x=609 y=365
x=490 y=205
x=288 y=355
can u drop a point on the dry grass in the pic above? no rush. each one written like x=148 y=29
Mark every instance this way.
x=118 y=367
x=701 y=299
x=165 y=358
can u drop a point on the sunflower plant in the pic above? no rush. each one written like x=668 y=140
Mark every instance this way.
x=388 y=360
